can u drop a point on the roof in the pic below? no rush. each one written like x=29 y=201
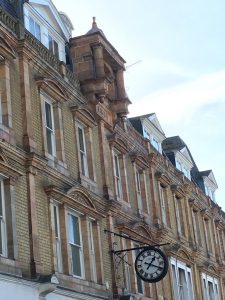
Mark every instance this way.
x=142 y=117
x=205 y=173
x=173 y=143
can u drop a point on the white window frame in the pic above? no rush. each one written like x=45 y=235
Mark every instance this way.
x=206 y=279
x=92 y=250
x=3 y=228
x=36 y=23
x=146 y=134
x=57 y=237
x=189 y=292
x=45 y=30
x=0 y=106
x=71 y=243
x=138 y=189
x=155 y=143
x=53 y=41
x=117 y=175
x=82 y=152
x=139 y=281
x=162 y=190
x=51 y=131
x=127 y=267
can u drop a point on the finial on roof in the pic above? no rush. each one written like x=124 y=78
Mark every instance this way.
x=95 y=27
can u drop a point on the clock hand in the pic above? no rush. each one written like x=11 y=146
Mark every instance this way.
x=157 y=266
x=150 y=263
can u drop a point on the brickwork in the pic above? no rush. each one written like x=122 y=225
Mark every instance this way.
x=43 y=237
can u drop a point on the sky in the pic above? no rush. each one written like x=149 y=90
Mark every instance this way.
x=175 y=54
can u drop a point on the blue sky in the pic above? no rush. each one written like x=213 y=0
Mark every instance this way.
x=181 y=76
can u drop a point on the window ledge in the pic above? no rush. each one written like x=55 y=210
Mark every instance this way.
x=90 y=184
x=7 y=134
x=56 y=164
x=9 y=266
x=82 y=285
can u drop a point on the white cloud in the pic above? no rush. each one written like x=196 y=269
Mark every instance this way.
x=180 y=102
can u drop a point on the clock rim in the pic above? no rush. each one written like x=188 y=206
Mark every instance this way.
x=165 y=269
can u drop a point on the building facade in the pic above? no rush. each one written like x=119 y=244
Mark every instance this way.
x=74 y=167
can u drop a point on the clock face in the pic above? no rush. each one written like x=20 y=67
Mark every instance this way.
x=151 y=264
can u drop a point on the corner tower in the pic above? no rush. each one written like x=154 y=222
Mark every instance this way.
x=100 y=70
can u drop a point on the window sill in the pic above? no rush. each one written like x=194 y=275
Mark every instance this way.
x=7 y=134
x=9 y=266
x=56 y=164
x=88 y=183
x=81 y=285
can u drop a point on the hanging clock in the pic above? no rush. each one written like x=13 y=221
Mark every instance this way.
x=151 y=264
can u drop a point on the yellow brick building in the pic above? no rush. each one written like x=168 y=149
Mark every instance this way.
x=74 y=169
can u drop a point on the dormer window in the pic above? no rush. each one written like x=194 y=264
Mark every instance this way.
x=47 y=30
x=34 y=28
x=155 y=144
x=210 y=193
x=153 y=140
x=53 y=46
x=146 y=134
x=181 y=167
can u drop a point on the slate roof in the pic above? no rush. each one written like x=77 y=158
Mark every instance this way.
x=14 y=9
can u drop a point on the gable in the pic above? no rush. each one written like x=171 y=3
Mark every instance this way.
x=212 y=178
x=185 y=152
x=153 y=118
x=48 y=11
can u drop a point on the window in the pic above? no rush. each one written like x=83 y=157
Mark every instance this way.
x=196 y=227
x=162 y=196
x=182 y=281
x=75 y=243
x=183 y=169
x=57 y=238
x=3 y=236
x=210 y=287
x=138 y=189
x=209 y=192
x=92 y=250
x=127 y=269
x=53 y=46
x=82 y=151
x=49 y=128
x=146 y=134
x=179 y=215
x=155 y=144
x=139 y=281
x=117 y=176
x=34 y=28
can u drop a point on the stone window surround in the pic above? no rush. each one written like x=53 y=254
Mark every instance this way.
x=206 y=279
x=9 y=175
x=175 y=266
x=58 y=156
x=73 y=204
